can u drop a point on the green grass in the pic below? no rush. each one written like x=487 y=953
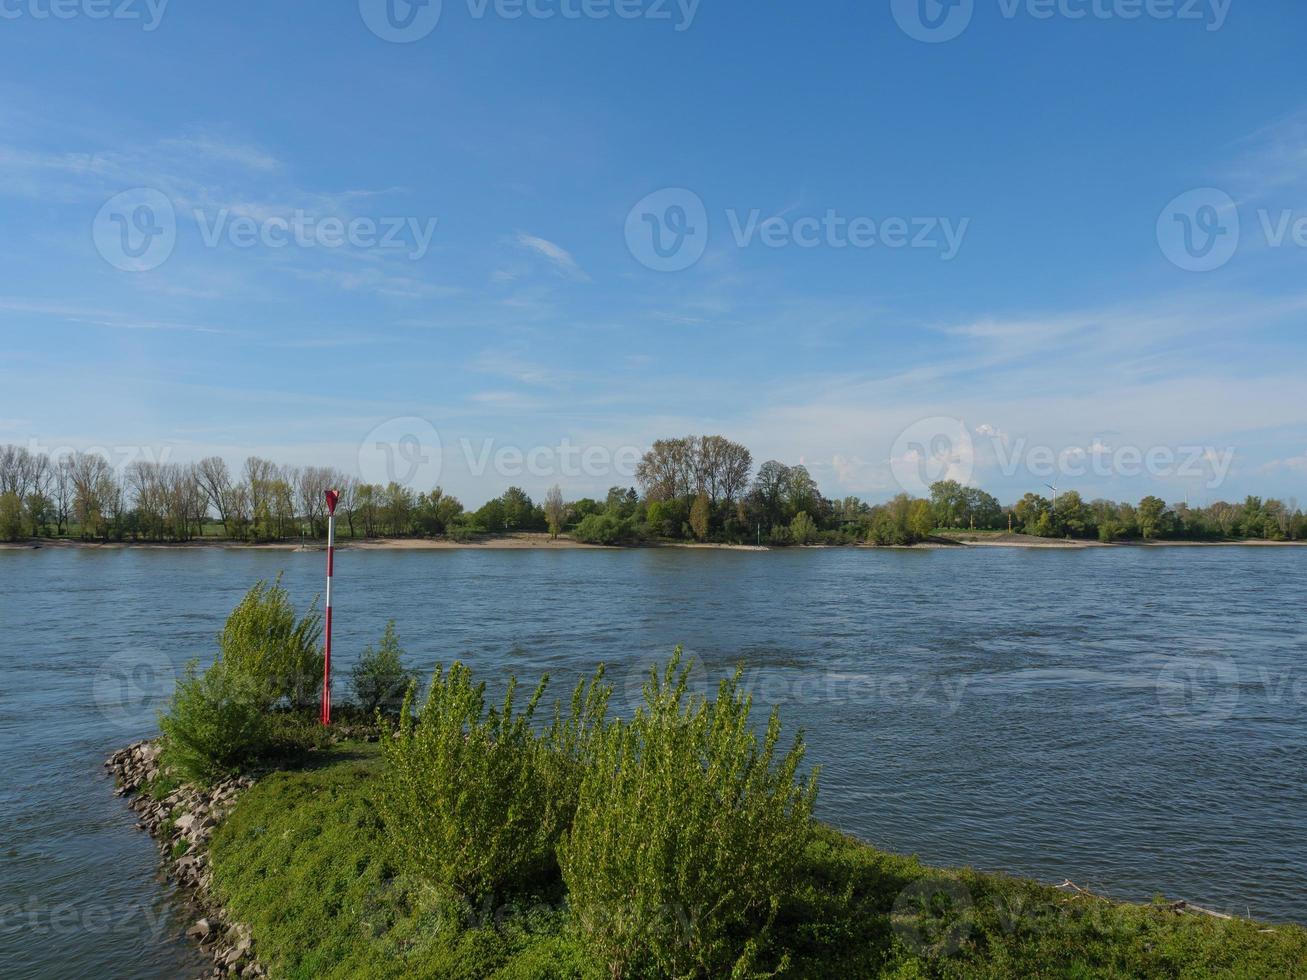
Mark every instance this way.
x=302 y=860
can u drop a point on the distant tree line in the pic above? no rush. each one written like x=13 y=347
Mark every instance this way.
x=1153 y=519
x=696 y=488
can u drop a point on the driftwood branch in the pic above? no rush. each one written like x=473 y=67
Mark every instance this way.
x=1180 y=908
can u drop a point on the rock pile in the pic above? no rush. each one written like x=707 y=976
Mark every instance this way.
x=182 y=822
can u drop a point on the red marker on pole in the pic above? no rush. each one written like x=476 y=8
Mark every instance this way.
x=333 y=496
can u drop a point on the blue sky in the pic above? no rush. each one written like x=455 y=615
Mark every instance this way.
x=1022 y=190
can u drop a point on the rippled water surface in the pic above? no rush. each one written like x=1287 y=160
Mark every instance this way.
x=1132 y=719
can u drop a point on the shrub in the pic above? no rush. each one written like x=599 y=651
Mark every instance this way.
x=215 y=723
x=605 y=529
x=263 y=640
x=11 y=517
x=686 y=833
x=802 y=529
x=700 y=517
x=467 y=795
x=380 y=678
x=572 y=739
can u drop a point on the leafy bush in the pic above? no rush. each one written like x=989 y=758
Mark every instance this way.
x=687 y=831
x=380 y=678
x=263 y=640
x=215 y=723
x=803 y=530
x=468 y=795
x=605 y=529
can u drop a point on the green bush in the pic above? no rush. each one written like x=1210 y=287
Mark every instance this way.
x=380 y=678
x=802 y=529
x=468 y=795
x=687 y=831
x=215 y=723
x=606 y=529
x=281 y=655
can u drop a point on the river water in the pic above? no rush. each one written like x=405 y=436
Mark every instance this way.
x=1130 y=718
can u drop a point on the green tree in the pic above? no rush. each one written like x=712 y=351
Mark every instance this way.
x=380 y=679
x=921 y=520
x=1072 y=515
x=555 y=510
x=263 y=640
x=435 y=511
x=802 y=529
x=215 y=724
x=700 y=514
x=11 y=517
x=1153 y=517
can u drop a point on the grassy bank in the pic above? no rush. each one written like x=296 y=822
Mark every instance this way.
x=303 y=861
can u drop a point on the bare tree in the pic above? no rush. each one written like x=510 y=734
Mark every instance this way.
x=97 y=497
x=666 y=471
x=312 y=484
x=23 y=472
x=215 y=480
x=62 y=487
x=348 y=487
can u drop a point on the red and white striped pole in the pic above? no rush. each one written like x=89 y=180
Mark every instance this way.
x=333 y=496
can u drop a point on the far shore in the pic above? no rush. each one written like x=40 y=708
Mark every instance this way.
x=544 y=542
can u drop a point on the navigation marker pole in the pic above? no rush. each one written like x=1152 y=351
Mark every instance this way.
x=333 y=496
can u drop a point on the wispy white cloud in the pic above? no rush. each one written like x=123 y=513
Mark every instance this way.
x=558 y=256
x=99 y=317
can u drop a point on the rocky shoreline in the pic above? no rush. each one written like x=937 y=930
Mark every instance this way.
x=182 y=823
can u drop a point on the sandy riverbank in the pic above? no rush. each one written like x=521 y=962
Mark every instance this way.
x=543 y=542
